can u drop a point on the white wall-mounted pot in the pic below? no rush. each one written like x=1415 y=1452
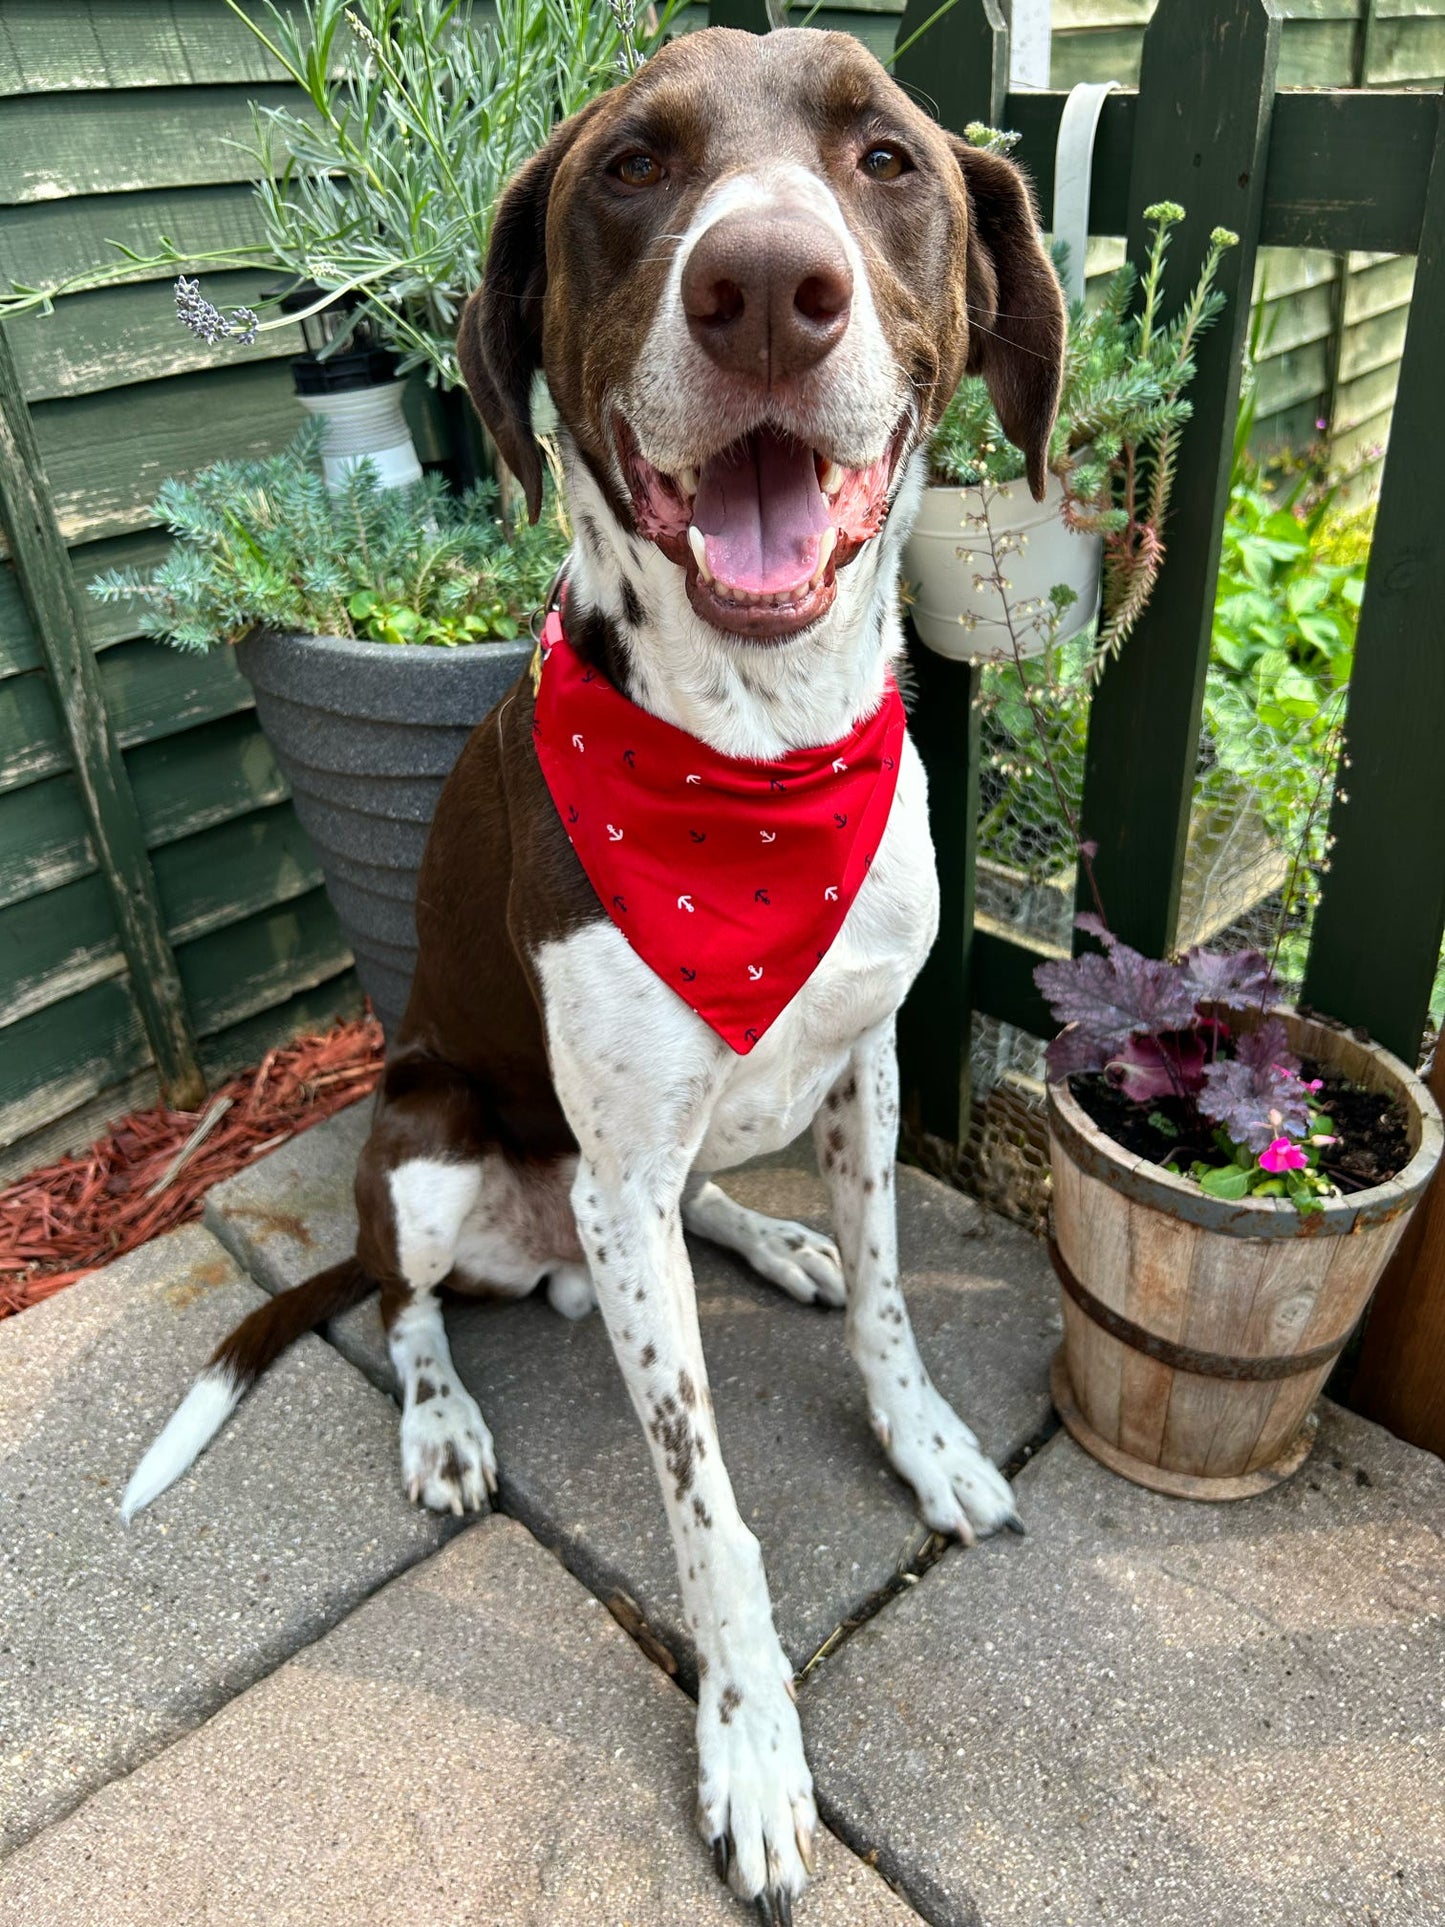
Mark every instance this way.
x=962 y=617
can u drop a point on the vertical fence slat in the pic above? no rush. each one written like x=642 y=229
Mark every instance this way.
x=959 y=67
x=48 y=584
x=935 y=1026
x=1400 y=1381
x=1377 y=931
x=1206 y=91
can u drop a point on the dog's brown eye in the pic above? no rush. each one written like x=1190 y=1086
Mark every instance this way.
x=885 y=163
x=637 y=170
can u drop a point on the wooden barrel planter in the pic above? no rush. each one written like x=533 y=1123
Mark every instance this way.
x=1197 y=1331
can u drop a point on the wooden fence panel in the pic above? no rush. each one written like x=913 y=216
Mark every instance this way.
x=114 y=124
x=57 y=616
x=1324 y=43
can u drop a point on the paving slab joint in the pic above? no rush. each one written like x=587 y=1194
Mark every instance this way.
x=917 y=1890
x=924 y=1555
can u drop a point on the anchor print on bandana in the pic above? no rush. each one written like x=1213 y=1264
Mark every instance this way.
x=730 y=879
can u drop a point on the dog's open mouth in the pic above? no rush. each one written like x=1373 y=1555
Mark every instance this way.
x=761 y=528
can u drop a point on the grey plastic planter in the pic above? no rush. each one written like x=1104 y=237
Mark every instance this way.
x=366 y=734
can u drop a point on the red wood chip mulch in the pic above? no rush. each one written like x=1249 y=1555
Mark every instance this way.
x=150 y=1171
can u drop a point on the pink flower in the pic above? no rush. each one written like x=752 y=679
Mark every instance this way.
x=1282 y=1155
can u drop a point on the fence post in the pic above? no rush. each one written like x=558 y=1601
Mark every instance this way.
x=1206 y=92
x=959 y=67
x=1377 y=930
x=47 y=581
x=1400 y=1377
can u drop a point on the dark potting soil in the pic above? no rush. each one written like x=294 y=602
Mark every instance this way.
x=1371 y=1128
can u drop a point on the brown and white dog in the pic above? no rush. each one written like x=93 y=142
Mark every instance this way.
x=755 y=246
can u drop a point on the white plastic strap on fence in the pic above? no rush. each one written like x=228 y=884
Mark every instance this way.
x=1073 y=167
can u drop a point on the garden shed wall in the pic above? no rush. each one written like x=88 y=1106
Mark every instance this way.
x=115 y=124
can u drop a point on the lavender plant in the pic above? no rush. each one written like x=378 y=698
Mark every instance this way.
x=382 y=187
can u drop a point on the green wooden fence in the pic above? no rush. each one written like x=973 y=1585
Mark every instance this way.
x=1340 y=171
x=161 y=918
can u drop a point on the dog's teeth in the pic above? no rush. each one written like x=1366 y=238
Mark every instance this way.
x=832 y=479
x=699 y=552
x=827 y=542
x=687 y=480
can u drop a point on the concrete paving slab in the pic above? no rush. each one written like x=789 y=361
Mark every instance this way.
x=833 y=1520
x=479 y=1743
x=113 y=1640
x=1162 y=1714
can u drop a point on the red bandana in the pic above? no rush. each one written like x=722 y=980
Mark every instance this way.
x=730 y=879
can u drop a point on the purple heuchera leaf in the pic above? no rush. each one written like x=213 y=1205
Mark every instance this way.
x=1111 y=999
x=1152 y=1067
x=1267 y=1044
x=1074 y=1050
x=1242 y=976
x=1256 y=1094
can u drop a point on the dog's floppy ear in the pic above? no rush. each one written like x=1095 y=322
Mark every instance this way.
x=499 y=338
x=1016 y=314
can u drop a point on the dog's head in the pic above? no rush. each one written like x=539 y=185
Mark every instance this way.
x=754 y=275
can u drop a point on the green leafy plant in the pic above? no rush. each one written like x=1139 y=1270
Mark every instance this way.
x=382 y=184
x=1122 y=406
x=271 y=544
x=1285 y=617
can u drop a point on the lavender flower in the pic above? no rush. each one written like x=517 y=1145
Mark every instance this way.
x=624 y=15
x=206 y=321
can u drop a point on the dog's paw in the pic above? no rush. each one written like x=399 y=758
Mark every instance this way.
x=448 y=1462
x=799 y=1261
x=960 y=1492
x=755 y=1793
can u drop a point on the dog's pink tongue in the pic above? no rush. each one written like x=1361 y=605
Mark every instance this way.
x=761 y=513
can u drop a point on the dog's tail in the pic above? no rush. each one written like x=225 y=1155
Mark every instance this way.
x=235 y=1365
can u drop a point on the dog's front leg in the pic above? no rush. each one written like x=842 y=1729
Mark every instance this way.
x=959 y=1490
x=639 y=1112
x=755 y=1797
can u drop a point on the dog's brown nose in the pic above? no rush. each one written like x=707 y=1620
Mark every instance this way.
x=767 y=295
